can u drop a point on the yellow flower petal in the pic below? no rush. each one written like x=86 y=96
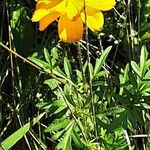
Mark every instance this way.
x=61 y=7
x=103 y=5
x=94 y=22
x=43 y=8
x=39 y=14
x=47 y=20
x=47 y=3
x=91 y=11
x=70 y=7
x=70 y=31
x=71 y=15
x=74 y=7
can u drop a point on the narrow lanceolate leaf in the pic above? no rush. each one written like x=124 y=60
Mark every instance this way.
x=76 y=139
x=126 y=73
x=59 y=73
x=146 y=106
x=67 y=139
x=51 y=83
x=39 y=62
x=22 y=29
x=101 y=60
x=47 y=55
x=57 y=125
x=16 y=136
x=67 y=67
x=146 y=36
x=143 y=59
x=136 y=68
x=65 y=144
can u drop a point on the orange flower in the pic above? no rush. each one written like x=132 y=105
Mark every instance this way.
x=71 y=15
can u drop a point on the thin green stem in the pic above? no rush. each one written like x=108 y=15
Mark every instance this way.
x=11 y=55
x=127 y=139
x=90 y=76
x=25 y=137
x=80 y=60
x=19 y=56
x=126 y=28
x=34 y=136
x=139 y=23
x=131 y=28
x=74 y=117
x=30 y=63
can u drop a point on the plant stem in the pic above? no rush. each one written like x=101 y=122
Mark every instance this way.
x=19 y=56
x=127 y=139
x=80 y=60
x=30 y=63
x=90 y=76
x=74 y=117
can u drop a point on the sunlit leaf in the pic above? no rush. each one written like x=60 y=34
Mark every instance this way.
x=101 y=60
x=57 y=125
x=67 y=67
x=16 y=136
x=136 y=68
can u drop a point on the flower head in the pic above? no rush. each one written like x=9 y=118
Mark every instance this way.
x=71 y=15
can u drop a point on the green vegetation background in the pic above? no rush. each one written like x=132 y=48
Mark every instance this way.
x=53 y=97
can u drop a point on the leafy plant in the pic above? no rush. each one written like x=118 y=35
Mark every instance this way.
x=89 y=102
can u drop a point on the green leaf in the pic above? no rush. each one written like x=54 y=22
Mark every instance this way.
x=58 y=72
x=143 y=59
x=146 y=36
x=148 y=63
x=124 y=78
x=113 y=110
x=16 y=136
x=39 y=62
x=22 y=29
x=57 y=125
x=76 y=139
x=98 y=83
x=126 y=71
x=101 y=123
x=91 y=70
x=101 y=60
x=85 y=67
x=57 y=135
x=51 y=83
x=134 y=116
x=135 y=68
x=147 y=76
x=59 y=103
x=145 y=27
x=67 y=67
x=100 y=74
x=44 y=105
x=61 y=111
x=65 y=144
x=54 y=53
x=47 y=56
x=145 y=87
x=146 y=106
x=79 y=76
x=68 y=91
x=121 y=121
